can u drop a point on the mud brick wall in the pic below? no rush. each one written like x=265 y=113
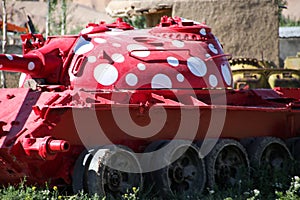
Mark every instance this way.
x=247 y=28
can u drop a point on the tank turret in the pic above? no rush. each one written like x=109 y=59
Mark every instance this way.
x=174 y=54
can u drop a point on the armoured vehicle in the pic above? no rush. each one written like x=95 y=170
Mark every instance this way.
x=115 y=108
x=253 y=73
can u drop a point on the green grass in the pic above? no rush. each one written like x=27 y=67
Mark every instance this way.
x=34 y=193
x=292 y=192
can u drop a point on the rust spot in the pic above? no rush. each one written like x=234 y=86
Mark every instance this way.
x=15 y=123
x=10 y=96
x=2 y=132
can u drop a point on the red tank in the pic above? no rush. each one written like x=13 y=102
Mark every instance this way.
x=114 y=108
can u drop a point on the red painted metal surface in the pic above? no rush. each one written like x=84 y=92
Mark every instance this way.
x=173 y=68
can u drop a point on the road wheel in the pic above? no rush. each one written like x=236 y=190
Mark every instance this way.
x=113 y=172
x=227 y=164
x=79 y=176
x=269 y=154
x=182 y=172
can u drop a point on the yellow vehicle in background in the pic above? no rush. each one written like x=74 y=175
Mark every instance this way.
x=252 y=73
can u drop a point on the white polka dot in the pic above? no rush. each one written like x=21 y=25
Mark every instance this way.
x=84 y=49
x=9 y=57
x=106 y=74
x=197 y=66
x=173 y=61
x=114 y=32
x=83 y=46
x=31 y=66
x=19 y=55
x=213 y=81
x=219 y=44
x=116 y=44
x=180 y=77
x=138 y=50
x=207 y=55
x=87 y=30
x=178 y=43
x=161 y=81
x=100 y=40
x=226 y=74
x=212 y=48
x=22 y=79
x=141 y=66
x=92 y=59
x=131 y=79
x=202 y=31
x=71 y=75
x=118 y=58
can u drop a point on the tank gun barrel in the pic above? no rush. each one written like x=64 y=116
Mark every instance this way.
x=44 y=63
x=30 y=63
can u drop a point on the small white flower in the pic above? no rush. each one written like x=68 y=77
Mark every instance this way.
x=296 y=185
x=256 y=192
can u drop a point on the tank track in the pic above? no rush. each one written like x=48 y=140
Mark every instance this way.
x=229 y=163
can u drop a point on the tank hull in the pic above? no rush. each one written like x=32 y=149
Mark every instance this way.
x=106 y=121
